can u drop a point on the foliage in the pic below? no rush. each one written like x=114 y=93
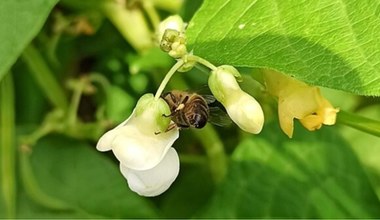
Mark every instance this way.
x=71 y=70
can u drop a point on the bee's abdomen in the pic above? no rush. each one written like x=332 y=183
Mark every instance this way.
x=197 y=112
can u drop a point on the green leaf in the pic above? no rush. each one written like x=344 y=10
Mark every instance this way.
x=116 y=110
x=189 y=193
x=326 y=43
x=21 y=20
x=76 y=173
x=314 y=175
x=27 y=209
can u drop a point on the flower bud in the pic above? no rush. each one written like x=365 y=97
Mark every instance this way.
x=173 y=22
x=171 y=36
x=242 y=108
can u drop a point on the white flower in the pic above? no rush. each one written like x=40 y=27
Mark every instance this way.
x=143 y=147
x=243 y=109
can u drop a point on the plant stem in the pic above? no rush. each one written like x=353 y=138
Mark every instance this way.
x=152 y=13
x=169 y=5
x=215 y=151
x=45 y=77
x=165 y=81
x=7 y=145
x=99 y=78
x=131 y=23
x=200 y=60
x=79 y=86
x=358 y=122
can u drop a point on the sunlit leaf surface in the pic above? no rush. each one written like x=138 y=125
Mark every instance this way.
x=20 y=21
x=327 y=43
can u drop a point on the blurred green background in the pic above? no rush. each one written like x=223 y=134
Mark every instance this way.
x=72 y=70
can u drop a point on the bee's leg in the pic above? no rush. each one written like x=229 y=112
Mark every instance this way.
x=170 y=115
x=174 y=113
x=170 y=127
x=172 y=96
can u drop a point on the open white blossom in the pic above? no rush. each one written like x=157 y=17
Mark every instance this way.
x=142 y=146
x=242 y=108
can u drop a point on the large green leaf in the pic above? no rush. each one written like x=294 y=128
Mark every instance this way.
x=20 y=21
x=314 y=175
x=331 y=43
x=82 y=177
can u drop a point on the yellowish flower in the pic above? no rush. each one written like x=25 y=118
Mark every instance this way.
x=299 y=100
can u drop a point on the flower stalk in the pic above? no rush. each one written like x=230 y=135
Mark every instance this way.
x=169 y=75
x=7 y=145
x=360 y=123
x=45 y=77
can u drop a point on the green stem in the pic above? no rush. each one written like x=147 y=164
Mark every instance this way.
x=45 y=77
x=99 y=78
x=151 y=12
x=169 y=5
x=215 y=151
x=79 y=86
x=131 y=23
x=7 y=145
x=358 y=122
x=169 y=75
x=200 y=60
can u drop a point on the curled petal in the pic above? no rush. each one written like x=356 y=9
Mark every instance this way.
x=105 y=141
x=138 y=150
x=154 y=181
x=297 y=100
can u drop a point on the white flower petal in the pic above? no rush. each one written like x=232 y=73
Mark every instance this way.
x=138 y=150
x=105 y=141
x=154 y=181
x=246 y=112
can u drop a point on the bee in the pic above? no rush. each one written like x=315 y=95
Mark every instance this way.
x=192 y=110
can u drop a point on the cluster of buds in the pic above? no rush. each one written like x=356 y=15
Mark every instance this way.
x=171 y=35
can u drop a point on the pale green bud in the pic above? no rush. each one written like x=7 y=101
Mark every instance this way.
x=171 y=36
x=173 y=22
x=242 y=108
x=151 y=111
x=222 y=81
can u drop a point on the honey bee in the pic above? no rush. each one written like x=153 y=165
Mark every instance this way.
x=191 y=110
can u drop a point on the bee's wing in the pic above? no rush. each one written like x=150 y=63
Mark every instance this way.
x=219 y=117
x=209 y=98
